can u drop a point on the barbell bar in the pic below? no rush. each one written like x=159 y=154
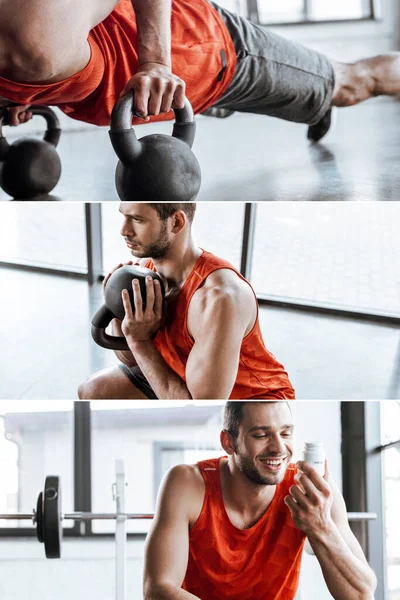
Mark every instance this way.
x=48 y=517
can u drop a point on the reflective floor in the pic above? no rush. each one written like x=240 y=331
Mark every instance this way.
x=47 y=349
x=255 y=158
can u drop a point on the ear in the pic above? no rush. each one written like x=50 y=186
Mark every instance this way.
x=227 y=442
x=179 y=220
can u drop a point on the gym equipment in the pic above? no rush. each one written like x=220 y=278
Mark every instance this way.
x=48 y=518
x=30 y=167
x=218 y=113
x=113 y=307
x=157 y=167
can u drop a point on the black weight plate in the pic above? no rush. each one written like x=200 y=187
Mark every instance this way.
x=39 y=518
x=52 y=529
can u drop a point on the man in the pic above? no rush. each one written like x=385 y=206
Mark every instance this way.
x=234 y=528
x=81 y=58
x=210 y=345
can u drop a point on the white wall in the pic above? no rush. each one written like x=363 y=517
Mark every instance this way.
x=87 y=567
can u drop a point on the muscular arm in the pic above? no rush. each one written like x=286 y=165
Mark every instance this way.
x=154 y=31
x=219 y=315
x=167 y=545
x=223 y=316
x=344 y=566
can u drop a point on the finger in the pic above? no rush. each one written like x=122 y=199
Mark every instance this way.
x=309 y=488
x=107 y=277
x=156 y=96
x=291 y=504
x=315 y=477
x=326 y=474
x=150 y=296
x=141 y=98
x=298 y=495
x=137 y=299
x=168 y=97
x=126 y=301
x=179 y=95
x=158 y=299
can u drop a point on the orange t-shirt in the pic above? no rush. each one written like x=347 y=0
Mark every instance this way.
x=199 y=35
x=259 y=563
x=259 y=376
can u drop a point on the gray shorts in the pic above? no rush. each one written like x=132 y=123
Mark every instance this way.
x=275 y=76
x=136 y=376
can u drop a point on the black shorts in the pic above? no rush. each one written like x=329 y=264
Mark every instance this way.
x=275 y=76
x=136 y=376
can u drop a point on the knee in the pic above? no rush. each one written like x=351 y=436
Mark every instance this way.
x=88 y=390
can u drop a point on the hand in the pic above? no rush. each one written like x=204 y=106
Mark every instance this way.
x=139 y=326
x=157 y=90
x=310 y=502
x=17 y=115
x=107 y=277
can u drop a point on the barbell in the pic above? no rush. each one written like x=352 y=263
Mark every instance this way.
x=48 y=517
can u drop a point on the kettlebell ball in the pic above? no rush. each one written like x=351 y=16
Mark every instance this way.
x=113 y=306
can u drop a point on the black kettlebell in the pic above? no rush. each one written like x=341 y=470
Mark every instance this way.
x=30 y=167
x=158 y=167
x=113 y=307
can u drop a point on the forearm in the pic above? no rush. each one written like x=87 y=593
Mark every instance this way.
x=166 y=384
x=169 y=592
x=125 y=356
x=347 y=577
x=154 y=31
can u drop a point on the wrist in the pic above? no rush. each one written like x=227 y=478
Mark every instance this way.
x=325 y=536
x=137 y=345
x=160 y=62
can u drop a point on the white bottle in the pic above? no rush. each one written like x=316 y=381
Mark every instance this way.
x=314 y=455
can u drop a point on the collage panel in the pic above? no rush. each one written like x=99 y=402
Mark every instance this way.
x=195 y=499
x=322 y=323
x=199 y=215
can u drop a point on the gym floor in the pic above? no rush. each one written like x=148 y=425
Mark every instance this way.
x=255 y=158
x=47 y=356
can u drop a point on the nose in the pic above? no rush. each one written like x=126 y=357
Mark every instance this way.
x=276 y=444
x=127 y=228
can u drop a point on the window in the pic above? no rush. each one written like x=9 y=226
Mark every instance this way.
x=36 y=439
x=300 y=11
x=41 y=234
x=391 y=468
x=329 y=254
x=150 y=438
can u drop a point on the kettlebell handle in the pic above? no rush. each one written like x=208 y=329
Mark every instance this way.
x=53 y=131
x=100 y=322
x=122 y=134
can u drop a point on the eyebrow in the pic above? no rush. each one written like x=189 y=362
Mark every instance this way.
x=132 y=215
x=268 y=428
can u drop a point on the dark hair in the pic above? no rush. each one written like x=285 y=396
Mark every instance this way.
x=165 y=209
x=233 y=414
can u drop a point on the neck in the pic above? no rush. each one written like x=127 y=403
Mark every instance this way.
x=244 y=495
x=178 y=263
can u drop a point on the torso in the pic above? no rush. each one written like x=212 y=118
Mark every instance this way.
x=238 y=519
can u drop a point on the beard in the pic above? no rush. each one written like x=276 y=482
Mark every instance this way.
x=156 y=249
x=251 y=471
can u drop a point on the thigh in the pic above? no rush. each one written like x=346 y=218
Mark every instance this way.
x=275 y=76
x=112 y=384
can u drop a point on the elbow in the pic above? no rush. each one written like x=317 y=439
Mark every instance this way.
x=368 y=591
x=156 y=591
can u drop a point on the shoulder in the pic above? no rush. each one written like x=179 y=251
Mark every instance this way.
x=183 y=488
x=225 y=288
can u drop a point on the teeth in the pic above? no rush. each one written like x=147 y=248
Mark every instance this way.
x=273 y=462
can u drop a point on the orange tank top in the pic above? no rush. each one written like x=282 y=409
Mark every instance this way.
x=259 y=563
x=260 y=375
x=199 y=36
